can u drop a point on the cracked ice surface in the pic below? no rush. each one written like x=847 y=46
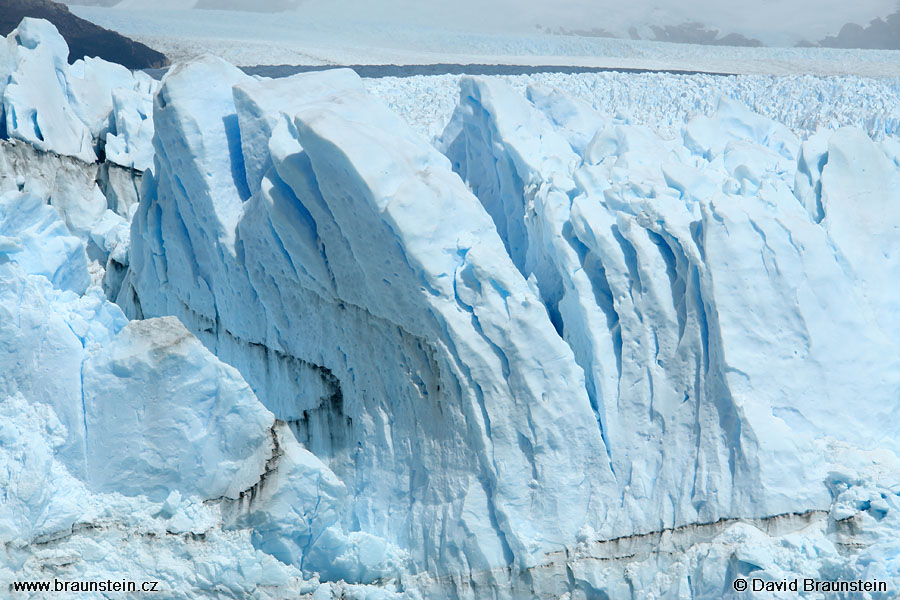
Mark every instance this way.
x=455 y=429
x=606 y=334
x=665 y=102
x=121 y=441
x=74 y=110
x=561 y=356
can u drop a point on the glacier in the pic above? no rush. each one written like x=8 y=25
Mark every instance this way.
x=295 y=349
x=356 y=34
x=78 y=134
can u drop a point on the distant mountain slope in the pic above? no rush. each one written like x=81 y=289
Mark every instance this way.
x=691 y=32
x=772 y=23
x=880 y=33
x=84 y=38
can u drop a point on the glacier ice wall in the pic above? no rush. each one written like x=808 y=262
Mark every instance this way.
x=129 y=451
x=590 y=362
x=88 y=108
x=698 y=293
x=602 y=336
x=341 y=252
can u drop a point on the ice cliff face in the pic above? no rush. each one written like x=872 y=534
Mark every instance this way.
x=114 y=430
x=556 y=356
x=673 y=269
x=462 y=468
x=56 y=119
x=76 y=110
x=609 y=335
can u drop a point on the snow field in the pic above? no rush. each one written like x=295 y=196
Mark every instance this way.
x=665 y=102
x=346 y=37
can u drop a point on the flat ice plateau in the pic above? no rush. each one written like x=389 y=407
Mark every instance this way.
x=363 y=35
x=610 y=336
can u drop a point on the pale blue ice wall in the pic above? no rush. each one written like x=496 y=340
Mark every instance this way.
x=614 y=335
x=700 y=291
x=363 y=317
x=619 y=336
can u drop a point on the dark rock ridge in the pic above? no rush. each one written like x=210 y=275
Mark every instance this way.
x=880 y=34
x=685 y=33
x=83 y=37
x=698 y=33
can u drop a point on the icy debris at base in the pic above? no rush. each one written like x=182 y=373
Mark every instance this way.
x=130 y=452
x=51 y=526
x=218 y=444
x=78 y=110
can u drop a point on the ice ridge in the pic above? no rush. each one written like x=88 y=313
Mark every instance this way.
x=557 y=355
x=566 y=354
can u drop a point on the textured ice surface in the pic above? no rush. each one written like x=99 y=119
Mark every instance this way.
x=129 y=451
x=568 y=349
x=74 y=110
x=354 y=35
x=619 y=336
x=665 y=102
